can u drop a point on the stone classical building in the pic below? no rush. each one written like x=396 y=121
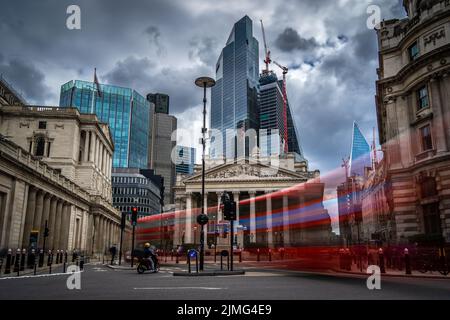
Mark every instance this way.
x=278 y=206
x=55 y=166
x=413 y=105
x=378 y=220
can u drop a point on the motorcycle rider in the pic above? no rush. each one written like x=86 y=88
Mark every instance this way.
x=149 y=255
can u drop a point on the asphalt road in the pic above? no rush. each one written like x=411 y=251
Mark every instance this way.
x=101 y=282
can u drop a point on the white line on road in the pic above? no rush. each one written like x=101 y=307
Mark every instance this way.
x=40 y=275
x=179 y=288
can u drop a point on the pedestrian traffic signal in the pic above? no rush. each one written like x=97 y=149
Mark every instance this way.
x=134 y=213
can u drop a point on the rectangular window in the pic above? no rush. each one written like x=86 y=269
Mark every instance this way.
x=422 y=97
x=413 y=51
x=425 y=136
x=48 y=148
x=42 y=124
x=431 y=219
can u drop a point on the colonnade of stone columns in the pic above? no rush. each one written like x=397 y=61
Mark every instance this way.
x=41 y=207
x=96 y=152
x=186 y=222
x=106 y=233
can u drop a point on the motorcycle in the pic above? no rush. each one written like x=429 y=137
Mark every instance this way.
x=145 y=265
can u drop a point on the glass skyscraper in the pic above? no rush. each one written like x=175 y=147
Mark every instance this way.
x=360 y=154
x=126 y=112
x=271 y=117
x=234 y=102
x=185 y=160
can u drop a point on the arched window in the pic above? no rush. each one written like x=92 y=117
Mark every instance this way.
x=40 y=146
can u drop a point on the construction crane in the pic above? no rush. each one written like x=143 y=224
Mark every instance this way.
x=267 y=60
x=285 y=71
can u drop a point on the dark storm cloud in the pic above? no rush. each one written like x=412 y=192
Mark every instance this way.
x=290 y=40
x=162 y=46
x=131 y=72
x=154 y=36
x=141 y=75
x=205 y=49
x=32 y=86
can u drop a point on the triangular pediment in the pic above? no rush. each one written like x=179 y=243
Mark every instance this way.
x=248 y=171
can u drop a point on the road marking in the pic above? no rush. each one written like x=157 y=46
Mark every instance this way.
x=40 y=275
x=179 y=288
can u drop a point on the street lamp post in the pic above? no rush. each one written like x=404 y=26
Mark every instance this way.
x=203 y=82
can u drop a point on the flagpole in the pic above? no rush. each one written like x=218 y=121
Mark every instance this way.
x=93 y=91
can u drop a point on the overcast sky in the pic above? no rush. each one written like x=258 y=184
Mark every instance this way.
x=162 y=46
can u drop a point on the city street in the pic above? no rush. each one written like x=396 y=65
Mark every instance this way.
x=101 y=282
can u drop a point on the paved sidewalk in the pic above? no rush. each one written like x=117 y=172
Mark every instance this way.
x=398 y=273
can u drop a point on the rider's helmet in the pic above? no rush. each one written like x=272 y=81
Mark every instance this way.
x=147 y=245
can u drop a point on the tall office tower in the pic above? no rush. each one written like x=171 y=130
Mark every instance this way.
x=160 y=149
x=185 y=161
x=293 y=138
x=161 y=102
x=234 y=102
x=126 y=112
x=271 y=116
x=360 y=154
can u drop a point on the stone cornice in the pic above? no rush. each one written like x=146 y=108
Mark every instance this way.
x=422 y=61
x=414 y=30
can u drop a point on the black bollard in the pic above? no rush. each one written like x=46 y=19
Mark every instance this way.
x=407 y=261
x=381 y=260
x=65 y=257
x=32 y=259
x=270 y=254
x=50 y=261
x=41 y=259
x=171 y=255
x=57 y=257
x=240 y=256
x=35 y=262
x=257 y=257
x=81 y=262
x=17 y=262
x=22 y=260
x=176 y=258
x=8 y=262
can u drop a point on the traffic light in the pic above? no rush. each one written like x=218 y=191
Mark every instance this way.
x=134 y=214
x=229 y=210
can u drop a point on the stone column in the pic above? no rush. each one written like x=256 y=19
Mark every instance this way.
x=52 y=222
x=64 y=238
x=440 y=137
x=219 y=212
x=58 y=225
x=104 y=234
x=31 y=207
x=252 y=217
x=45 y=216
x=96 y=232
x=91 y=145
x=189 y=227
x=86 y=146
x=269 y=219
x=286 y=233
x=239 y=236
x=38 y=213
x=236 y=199
x=96 y=151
